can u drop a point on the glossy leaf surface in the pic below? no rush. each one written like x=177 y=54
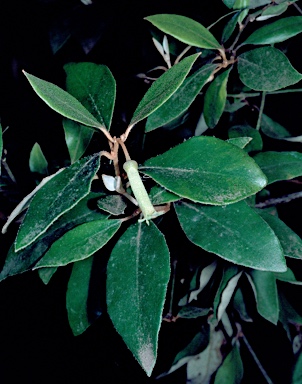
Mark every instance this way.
x=266 y=69
x=79 y=243
x=59 y=195
x=62 y=102
x=37 y=160
x=94 y=86
x=265 y=289
x=215 y=99
x=231 y=370
x=201 y=169
x=280 y=165
x=277 y=31
x=180 y=101
x=227 y=232
x=163 y=88
x=185 y=29
x=137 y=276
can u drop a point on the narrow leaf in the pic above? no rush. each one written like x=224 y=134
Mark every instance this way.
x=280 y=165
x=185 y=29
x=215 y=99
x=227 y=295
x=137 y=276
x=265 y=290
x=277 y=31
x=59 y=195
x=266 y=69
x=180 y=101
x=273 y=11
x=201 y=168
x=163 y=88
x=94 y=86
x=230 y=27
x=37 y=160
x=231 y=370
x=79 y=243
x=290 y=241
x=46 y=274
x=273 y=129
x=62 y=102
x=204 y=278
x=77 y=138
x=227 y=231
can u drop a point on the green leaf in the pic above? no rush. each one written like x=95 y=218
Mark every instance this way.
x=231 y=370
x=190 y=312
x=46 y=274
x=94 y=86
x=159 y=195
x=37 y=160
x=273 y=11
x=215 y=99
x=185 y=29
x=240 y=142
x=163 y=88
x=229 y=3
x=240 y=306
x=62 y=102
x=230 y=27
x=266 y=294
x=258 y=3
x=137 y=276
x=290 y=241
x=77 y=296
x=227 y=232
x=280 y=165
x=273 y=129
x=287 y=313
x=266 y=69
x=180 y=101
x=114 y=204
x=297 y=370
x=201 y=168
x=287 y=276
x=79 y=243
x=277 y=31
x=242 y=4
x=77 y=138
x=24 y=260
x=247 y=131
x=59 y=195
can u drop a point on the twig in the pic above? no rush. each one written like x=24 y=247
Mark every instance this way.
x=261 y=111
x=124 y=148
x=279 y=200
x=221 y=18
x=297 y=7
x=182 y=54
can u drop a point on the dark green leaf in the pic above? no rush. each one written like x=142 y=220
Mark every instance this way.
x=266 y=69
x=37 y=160
x=180 y=101
x=190 y=312
x=258 y=3
x=185 y=29
x=46 y=274
x=288 y=277
x=240 y=307
x=163 y=88
x=55 y=198
x=24 y=260
x=79 y=243
x=290 y=241
x=114 y=204
x=229 y=3
x=231 y=370
x=137 y=276
x=280 y=165
x=77 y=296
x=265 y=290
x=77 y=138
x=206 y=170
x=230 y=27
x=240 y=142
x=159 y=195
x=94 y=86
x=273 y=129
x=62 y=102
x=215 y=99
x=287 y=313
x=227 y=232
x=277 y=31
x=246 y=131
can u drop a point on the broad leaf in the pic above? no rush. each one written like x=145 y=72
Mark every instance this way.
x=163 y=88
x=266 y=69
x=180 y=101
x=77 y=296
x=227 y=232
x=215 y=99
x=77 y=138
x=37 y=160
x=62 y=102
x=290 y=241
x=185 y=29
x=231 y=370
x=79 y=243
x=159 y=195
x=273 y=129
x=276 y=32
x=114 y=204
x=94 y=86
x=201 y=168
x=246 y=131
x=24 y=260
x=137 y=276
x=265 y=289
x=280 y=165
x=59 y=195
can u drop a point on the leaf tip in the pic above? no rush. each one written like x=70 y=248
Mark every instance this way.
x=147 y=358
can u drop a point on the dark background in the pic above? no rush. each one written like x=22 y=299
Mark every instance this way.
x=36 y=343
